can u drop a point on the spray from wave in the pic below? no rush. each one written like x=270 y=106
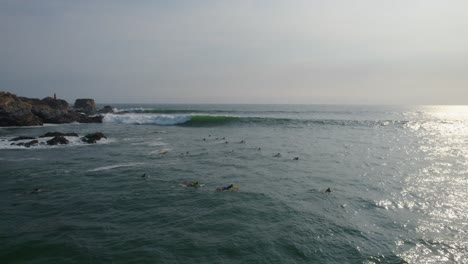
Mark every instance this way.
x=168 y=120
x=217 y=120
x=146 y=119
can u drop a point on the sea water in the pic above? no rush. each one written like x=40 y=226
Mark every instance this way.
x=398 y=178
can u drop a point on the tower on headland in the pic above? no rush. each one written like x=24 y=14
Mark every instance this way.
x=55 y=96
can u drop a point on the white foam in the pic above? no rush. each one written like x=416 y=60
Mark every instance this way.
x=156 y=144
x=150 y=144
x=133 y=109
x=73 y=142
x=385 y=204
x=163 y=151
x=131 y=164
x=141 y=119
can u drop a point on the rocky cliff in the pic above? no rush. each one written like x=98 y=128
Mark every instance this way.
x=87 y=106
x=23 y=111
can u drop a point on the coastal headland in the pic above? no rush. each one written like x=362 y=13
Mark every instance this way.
x=23 y=111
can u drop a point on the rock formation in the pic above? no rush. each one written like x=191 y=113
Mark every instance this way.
x=14 y=112
x=93 y=138
x=31 y=143
x=87 y=106
x=23 y=111
x=106 y=110
x=59 y=134
x=26 y=144
x=57 y=140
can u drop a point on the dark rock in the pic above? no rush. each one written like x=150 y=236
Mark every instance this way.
x=58 y=118
x=57 y=104
x=23 y=111
x=59 y=134
x=74 y=117
x=14 y=112
x=31 y=143
x=90 y=119
x=50 y=110
x=106 y=110
x=87 y=106
x=57 y=140
x=93 y=138
x=26 y=144
x=21 y=138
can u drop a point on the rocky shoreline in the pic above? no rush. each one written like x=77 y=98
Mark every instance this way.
x=23 y=111
x=54 y=138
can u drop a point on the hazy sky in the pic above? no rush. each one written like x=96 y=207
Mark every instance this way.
x=215 y=51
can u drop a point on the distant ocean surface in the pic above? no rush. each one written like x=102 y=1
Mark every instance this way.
x=398 y=178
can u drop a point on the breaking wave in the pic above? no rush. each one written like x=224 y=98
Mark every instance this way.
x=217 y=120
x=167 y=120
x=145 y=119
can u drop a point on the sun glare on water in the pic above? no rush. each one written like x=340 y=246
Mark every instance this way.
x=440 y=187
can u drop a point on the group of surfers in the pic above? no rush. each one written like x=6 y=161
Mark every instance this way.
x=230 y=187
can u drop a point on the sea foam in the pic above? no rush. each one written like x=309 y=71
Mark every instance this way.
x=142 y=119
x=42 y=143
x=110 y=167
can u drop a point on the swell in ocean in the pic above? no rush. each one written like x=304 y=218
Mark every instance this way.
x=397 y=179
x=140 y=116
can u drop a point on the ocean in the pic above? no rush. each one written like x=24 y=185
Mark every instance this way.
x=398 y=177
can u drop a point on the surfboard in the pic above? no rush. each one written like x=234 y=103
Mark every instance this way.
x=163 y=151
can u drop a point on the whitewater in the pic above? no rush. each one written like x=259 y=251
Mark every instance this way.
x=397 y=176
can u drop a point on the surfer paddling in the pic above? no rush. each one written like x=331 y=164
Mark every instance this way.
x=230 y=187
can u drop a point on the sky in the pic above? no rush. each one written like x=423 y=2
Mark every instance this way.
x=216 y=51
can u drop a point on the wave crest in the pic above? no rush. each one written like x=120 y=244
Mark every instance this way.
x=216 y=120
x=145 y=119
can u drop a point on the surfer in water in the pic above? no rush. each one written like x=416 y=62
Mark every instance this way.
x=226 y=188
x=36 y=191
x=192 y=184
